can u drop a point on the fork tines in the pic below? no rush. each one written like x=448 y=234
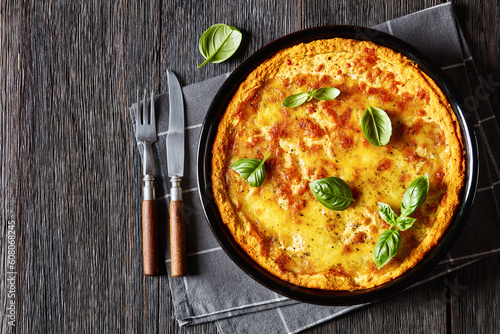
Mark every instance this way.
x=146 y=130
x=143 y=117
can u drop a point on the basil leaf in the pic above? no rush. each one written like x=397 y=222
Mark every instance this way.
x=218 y=43
x=326 y=94
x=333 y=192
x=251 y=170
x=309 y=95
x=295 y=100
x=386 y=247
x=376 y=126
x=415 y=195
x=387 y=214
x=403 y=223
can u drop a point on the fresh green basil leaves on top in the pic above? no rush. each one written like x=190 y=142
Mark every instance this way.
x=325 y=94
x=251 y=170
x=376 y=126
x=403 y=223
x=296 y=100
x=218 y=43
x=333 y=192
x=388 y=243
x=387 y=247
x=415 y=195
x=387 y=214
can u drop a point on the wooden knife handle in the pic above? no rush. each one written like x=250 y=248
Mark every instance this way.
x=150 y=239
x=177 y=239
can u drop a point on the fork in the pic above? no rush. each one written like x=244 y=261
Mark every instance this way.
x=146 y=134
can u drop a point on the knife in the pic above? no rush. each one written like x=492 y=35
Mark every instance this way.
x=175 y=165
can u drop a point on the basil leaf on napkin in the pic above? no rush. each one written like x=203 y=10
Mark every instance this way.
x=251 y=170
x=333 y=192
x=218 y=43
x=387 y=247
x=376 y=126
x=324 y=94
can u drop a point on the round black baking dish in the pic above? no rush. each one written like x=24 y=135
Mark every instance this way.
x=238 y=255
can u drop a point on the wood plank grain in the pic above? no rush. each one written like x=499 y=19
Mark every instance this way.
x=418 y=310
x=184 y=21
x=82 y=224
x=9 y=175
x=474 y=296
x=480 y=22
x=474 y=290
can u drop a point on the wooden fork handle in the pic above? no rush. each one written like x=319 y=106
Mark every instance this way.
x=177 y=239
x=150 y=239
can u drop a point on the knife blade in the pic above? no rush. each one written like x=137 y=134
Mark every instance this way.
x=175 y=165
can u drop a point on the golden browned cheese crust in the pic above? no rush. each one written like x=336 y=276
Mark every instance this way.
x=280 y=224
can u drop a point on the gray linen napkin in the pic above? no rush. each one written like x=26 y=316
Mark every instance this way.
x=217 y=290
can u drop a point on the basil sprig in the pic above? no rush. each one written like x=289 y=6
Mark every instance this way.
x=218 y=43
x=251 y=170
x=333 y=192
x=388 y=243
x=376 y=126
x=325 y=94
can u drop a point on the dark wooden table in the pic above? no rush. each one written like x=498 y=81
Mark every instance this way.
x=70 y=171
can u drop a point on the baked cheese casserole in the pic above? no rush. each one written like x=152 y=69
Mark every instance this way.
x=280 y=224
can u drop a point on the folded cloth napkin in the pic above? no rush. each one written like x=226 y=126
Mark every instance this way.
x=217 y=290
